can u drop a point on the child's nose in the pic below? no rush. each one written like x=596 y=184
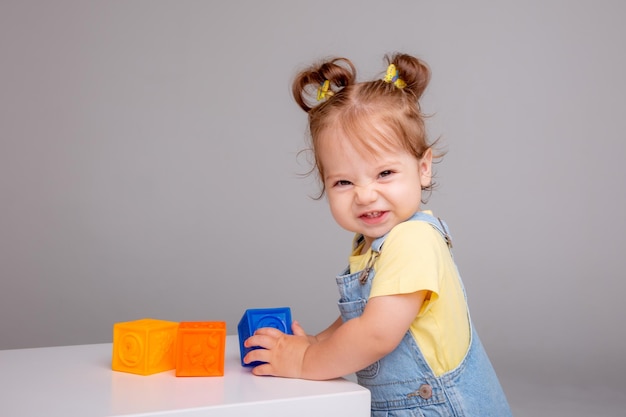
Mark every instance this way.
x=365 y=194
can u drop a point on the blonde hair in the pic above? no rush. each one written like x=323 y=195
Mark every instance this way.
x=372 y=114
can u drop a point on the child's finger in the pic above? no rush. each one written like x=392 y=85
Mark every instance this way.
x=268 y=331
x=262 y=370
x=260 y=340
x=297 y=329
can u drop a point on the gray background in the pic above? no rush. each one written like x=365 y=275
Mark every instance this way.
x=149 y=168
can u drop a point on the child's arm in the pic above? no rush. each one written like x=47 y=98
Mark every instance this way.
x=346 y=348
x=330 y=330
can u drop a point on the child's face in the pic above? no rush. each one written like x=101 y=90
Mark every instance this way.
x=370 y=194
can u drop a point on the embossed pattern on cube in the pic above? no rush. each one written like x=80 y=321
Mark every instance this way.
x=256 y=318
x=144 y=346
x=200 y=348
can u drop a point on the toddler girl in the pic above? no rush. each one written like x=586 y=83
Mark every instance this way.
x=404 y=326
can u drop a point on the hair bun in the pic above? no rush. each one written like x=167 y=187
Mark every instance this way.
x=339 y=72
x=413 y=71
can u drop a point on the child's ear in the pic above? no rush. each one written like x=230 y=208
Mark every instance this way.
x=426 y=168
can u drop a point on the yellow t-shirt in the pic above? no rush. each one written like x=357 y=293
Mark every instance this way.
x=413 y=258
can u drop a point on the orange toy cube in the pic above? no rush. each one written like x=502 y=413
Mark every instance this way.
x=200 y=348
x=144 y=346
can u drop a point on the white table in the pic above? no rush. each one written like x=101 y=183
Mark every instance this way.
x=78 y=381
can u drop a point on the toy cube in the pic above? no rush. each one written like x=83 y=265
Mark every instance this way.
x=144 y=346
x=200 y=348
x=256 y=318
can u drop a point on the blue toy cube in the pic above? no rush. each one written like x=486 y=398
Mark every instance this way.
x=256 y=318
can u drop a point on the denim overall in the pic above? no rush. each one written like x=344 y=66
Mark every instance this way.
x=402 y=383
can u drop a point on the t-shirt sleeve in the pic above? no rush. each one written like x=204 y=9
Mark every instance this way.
x=408 y=262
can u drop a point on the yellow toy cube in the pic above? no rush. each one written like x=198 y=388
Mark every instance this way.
x=144 y=346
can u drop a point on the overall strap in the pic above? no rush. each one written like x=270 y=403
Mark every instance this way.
x=435 y=222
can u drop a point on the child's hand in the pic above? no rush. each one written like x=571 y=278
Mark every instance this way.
x=282 y=353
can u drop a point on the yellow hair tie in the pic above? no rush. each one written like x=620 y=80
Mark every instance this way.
x=392 y=77
x=324 y=91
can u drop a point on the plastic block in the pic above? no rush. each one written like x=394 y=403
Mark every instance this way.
x=200 y=348
x=144 y=346
x=256 y=318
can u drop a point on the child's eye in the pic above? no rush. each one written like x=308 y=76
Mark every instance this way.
x=342 y=183
x=385 y=173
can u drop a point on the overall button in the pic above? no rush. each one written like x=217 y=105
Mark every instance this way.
x=425 y=391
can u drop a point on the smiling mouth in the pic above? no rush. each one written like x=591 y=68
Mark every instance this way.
x=372 y=214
